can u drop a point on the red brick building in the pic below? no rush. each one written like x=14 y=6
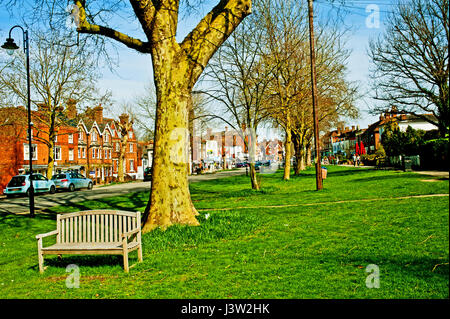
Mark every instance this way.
x=85 y=143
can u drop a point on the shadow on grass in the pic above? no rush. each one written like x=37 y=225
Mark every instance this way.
x=386 y=177
x=84 y=260
x=16 y=220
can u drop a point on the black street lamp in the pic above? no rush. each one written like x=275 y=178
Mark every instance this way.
x=11 y=46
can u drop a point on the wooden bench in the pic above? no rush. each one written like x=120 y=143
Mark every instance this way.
x=99 y=232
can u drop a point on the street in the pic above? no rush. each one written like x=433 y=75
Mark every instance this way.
x=20 y=205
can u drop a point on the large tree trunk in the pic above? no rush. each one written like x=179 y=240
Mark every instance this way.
x=170 y=201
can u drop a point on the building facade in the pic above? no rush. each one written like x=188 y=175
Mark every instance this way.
x=85 y=143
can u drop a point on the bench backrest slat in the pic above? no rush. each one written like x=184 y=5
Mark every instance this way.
x=95 y=226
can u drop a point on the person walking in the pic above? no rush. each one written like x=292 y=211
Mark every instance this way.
x=354 y=159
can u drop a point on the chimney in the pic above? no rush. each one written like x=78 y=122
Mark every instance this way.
x=71 y=109
x=346 y=129
x=381 y=117
x=339 y=131
x=124 y=118
x=353 y=127
x=98 y=114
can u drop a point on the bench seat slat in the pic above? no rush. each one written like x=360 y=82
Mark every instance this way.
x=89 y=246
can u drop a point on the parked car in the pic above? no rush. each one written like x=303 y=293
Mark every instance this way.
x=20 y=185
x=71 y=181
x=148 y=174
x=258 y=164
x=240 y=164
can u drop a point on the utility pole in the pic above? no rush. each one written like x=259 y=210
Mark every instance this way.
x=319 y=184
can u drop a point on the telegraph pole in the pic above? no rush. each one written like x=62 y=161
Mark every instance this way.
x=319 y=184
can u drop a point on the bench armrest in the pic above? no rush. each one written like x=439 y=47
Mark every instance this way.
x=55 y=232
x=134 y=231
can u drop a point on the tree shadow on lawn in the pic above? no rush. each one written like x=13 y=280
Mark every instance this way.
x=95 y=261
x=399 y=175
x=22 y=220
x=419 y=267
x=135 y=201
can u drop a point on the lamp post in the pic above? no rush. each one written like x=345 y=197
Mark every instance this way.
x=11 y=46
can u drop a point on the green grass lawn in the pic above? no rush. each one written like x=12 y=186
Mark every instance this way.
x=305 y=244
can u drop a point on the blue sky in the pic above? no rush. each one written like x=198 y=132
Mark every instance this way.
x=135 y=72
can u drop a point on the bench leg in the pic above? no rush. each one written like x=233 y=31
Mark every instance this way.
x=125 y=260
x=40 y=256
x=41 y=262
x=140 y=252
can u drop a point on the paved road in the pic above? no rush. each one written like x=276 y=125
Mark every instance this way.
x=20 y=205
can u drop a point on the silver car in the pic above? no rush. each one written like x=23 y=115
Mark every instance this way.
x=20 y=185
x=71 y=181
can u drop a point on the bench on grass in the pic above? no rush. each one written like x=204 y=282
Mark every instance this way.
x=94 y=232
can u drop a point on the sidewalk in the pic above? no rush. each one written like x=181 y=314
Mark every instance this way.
x=441 y=174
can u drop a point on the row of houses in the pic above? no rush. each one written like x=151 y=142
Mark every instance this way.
x=343 y=140
x=228 y=147
x=88 y=143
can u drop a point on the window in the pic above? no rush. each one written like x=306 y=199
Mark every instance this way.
x=106 y=153
x=131 y=165
x=79 y=152
x=99 y=154
x=131 y=147
x=106 y=138
x=57 y=153
x=93 y=152
x=80 y=135
x=109 y=153
x=94 y=136
x=70 y=154
x=130 y=134
x=56 y=138
x=70 y=138
x=84 y=152
x=26 y=154
x=117 y=147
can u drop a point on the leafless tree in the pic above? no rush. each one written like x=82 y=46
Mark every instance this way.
x=411 y=61
x=57 y=74
x=236 y=79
